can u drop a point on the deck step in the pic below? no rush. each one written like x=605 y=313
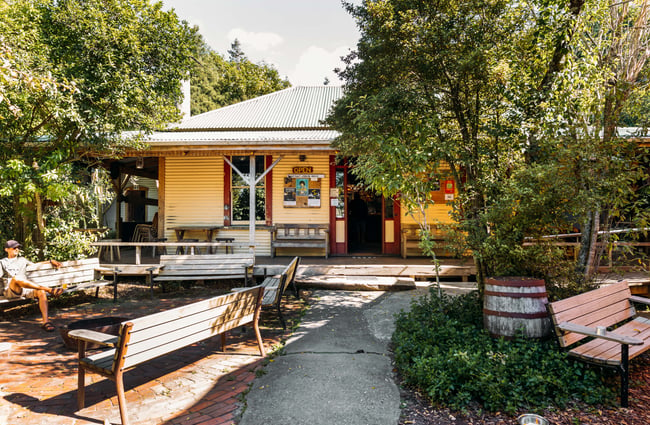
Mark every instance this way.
x=357 y=283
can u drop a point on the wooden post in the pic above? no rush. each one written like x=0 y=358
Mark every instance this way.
x=251 y=205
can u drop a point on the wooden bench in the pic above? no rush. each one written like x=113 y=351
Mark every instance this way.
x=410 y=239
x=203 y=267
x=146 y=338
x=300 y=236
x=275 y=286
x=579 y=317
x=75 y=275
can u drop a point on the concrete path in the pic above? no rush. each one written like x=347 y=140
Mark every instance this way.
x=336 y=368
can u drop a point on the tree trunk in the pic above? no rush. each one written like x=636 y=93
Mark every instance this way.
x=588 y=245
x=38 y=238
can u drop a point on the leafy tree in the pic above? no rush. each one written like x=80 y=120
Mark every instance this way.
x=502 y=97
x=235 y=53
x=216 y=82
x=422 y=91
x=75 y=75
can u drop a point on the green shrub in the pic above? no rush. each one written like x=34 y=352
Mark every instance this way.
x=442 y=349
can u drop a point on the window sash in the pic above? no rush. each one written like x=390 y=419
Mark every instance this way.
x=239 y=190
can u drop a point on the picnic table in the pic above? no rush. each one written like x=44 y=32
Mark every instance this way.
x=209 y=230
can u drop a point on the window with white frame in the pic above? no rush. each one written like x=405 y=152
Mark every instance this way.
x=239 y=190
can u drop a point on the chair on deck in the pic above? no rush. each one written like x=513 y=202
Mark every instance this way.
x=148 y=233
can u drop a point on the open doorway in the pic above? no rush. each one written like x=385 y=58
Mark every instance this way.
x=361 y=221
x=364 y=219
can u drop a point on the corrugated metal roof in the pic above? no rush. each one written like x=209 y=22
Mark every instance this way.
x=292 y=108
x=237 y=137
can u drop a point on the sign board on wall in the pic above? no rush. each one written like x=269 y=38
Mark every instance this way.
x=302 y=190
x=450 y=189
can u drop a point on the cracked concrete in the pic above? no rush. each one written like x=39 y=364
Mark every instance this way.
x=336 y=368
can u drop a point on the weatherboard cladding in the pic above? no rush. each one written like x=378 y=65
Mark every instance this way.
x=292 y=108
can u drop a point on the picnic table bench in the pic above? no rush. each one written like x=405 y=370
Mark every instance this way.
x=275 y=286
x=148 y=337
x=203 y=267
x=592 y=315
x=75 y=275
x=300 y=236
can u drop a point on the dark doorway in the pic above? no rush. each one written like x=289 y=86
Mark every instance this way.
x=364 y=219
x=136 y=205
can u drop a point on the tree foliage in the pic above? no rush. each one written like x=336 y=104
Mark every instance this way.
x=217 y=82
x=75 y=75
x=511 y=100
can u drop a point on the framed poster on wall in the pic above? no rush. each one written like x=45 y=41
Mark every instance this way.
x=302 y=190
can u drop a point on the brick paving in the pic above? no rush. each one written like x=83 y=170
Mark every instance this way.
x=198 y=385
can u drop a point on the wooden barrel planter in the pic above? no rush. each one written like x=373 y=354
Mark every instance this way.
x=516 y=304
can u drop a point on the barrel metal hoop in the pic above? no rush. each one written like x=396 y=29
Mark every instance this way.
x=516 y=283
x=539 y=315
x=517 y=294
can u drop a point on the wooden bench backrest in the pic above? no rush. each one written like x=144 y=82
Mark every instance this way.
x=414 y=230
x=161 y=333
x=193 y=264
x=301 y=231
x=289 y=274
x=605 y=306
x=70 y=272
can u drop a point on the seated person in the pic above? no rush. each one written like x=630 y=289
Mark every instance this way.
x=16 y=284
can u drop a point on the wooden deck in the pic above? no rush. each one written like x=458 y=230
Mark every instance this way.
x=364 y=271
x=312 y=269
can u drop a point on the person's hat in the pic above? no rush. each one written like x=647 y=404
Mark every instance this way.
x=12 y=244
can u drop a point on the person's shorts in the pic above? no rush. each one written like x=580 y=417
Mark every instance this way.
x=26 y=293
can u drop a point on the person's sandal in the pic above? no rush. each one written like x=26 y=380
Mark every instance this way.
x=56 y=292
x=48 y=327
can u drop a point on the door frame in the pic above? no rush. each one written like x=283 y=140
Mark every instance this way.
x=341 y=248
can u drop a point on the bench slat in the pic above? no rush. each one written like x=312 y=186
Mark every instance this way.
x=578 y=301
x=604 y=306
x=209 y=258
x=609 y=352
x=165 y=329
x=238 y=309
x=604 y=315
x=191 y=267
x=300 y=236
x=194 y=308
x=204 y=267
x=58 y=280
x=201 y=271
x=206 y=277
x=102 y=361
x=153 y=351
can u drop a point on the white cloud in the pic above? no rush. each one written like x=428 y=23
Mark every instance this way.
x=315 y=64
x=257 y=40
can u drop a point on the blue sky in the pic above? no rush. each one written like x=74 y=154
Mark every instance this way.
x=303 y=39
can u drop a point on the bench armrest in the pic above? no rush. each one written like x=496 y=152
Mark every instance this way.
x=589 y=331
x=641 y=300
x=108 y=269
x=94 y=337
